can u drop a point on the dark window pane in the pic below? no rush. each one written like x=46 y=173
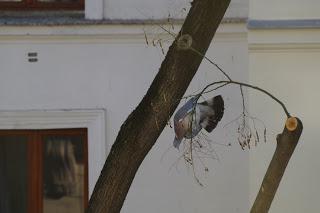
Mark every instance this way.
x=10 y=0
x=59 y=1
x=13 y=174
x=64 y=170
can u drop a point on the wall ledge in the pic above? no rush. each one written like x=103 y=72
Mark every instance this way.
x=254 y=24
x=72 y=18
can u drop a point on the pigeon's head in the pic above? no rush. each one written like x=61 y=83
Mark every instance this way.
x=181 y=127
x=182 y=121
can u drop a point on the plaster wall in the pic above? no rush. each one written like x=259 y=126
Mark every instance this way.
x=284 y=9
x=286 y=63
x=110 y=67
x=151 y=9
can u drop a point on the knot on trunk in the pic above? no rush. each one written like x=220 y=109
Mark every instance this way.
x=184 y=42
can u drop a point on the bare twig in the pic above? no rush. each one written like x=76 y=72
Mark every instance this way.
x=212 y=62
x=249 y=86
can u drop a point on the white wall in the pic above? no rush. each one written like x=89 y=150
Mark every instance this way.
x=293 y=78
x=284 y=59
x=284 y=9
x=151 y=9
x=111 y=67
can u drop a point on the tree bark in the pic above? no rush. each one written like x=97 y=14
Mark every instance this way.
x=144 y=125
x=286 y=143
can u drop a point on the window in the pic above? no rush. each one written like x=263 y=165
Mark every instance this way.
x=42 y=4
x=43 y=171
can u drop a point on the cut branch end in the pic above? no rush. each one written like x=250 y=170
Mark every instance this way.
x=291 y=124
x=286 y=144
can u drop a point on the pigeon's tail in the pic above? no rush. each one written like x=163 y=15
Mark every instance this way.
x=218 y=107
x=213 y=116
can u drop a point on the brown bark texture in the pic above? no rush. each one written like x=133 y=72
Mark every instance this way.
x=286 y=143
x=143 y=126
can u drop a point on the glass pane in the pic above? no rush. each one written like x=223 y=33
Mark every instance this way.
x=60 y=1
x=13 y=174
x=10 y=0
x=64 y=170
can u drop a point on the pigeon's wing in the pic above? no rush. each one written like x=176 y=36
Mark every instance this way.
x=211 y=112
x=195 y=127
x=181 y=114
x=184 y=110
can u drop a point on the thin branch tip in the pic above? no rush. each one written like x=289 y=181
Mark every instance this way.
x=225 y=83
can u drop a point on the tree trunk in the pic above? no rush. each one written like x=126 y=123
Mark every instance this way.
x=144 y=125
x=286 y=143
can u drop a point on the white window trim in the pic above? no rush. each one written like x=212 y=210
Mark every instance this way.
x=92 y=119
x=94 y=9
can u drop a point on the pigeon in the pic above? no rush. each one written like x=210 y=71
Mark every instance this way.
x=205 y=115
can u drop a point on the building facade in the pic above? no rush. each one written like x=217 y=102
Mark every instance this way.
x=283 y=45
x=85 y=68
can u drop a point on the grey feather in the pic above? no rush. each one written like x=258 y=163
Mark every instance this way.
x=206 y=115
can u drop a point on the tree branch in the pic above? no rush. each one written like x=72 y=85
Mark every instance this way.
x=286 y=143
x=144 y=125
x=249 y=86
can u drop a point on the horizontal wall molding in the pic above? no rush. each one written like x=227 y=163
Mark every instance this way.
x=284 y=39
x=253 y=24
x=78 y=20
x=49 y=119
x=284 y=47
x=108 y=33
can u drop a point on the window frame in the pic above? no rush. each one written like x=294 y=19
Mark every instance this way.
x=95 y=120
x=37 y=5
x=35 y=140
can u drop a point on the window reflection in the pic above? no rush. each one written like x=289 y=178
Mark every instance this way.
x=63 y=174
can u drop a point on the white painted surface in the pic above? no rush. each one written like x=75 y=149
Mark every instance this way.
x=94 y=9
x=238 y=9
x=284 y=9
x=144 y=9
x=154 y=9
x=105 y=70
x=286 y=63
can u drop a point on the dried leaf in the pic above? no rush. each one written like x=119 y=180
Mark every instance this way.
x=145 y=37
x=240 y=143
x=257 y=136
x=162 y=50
